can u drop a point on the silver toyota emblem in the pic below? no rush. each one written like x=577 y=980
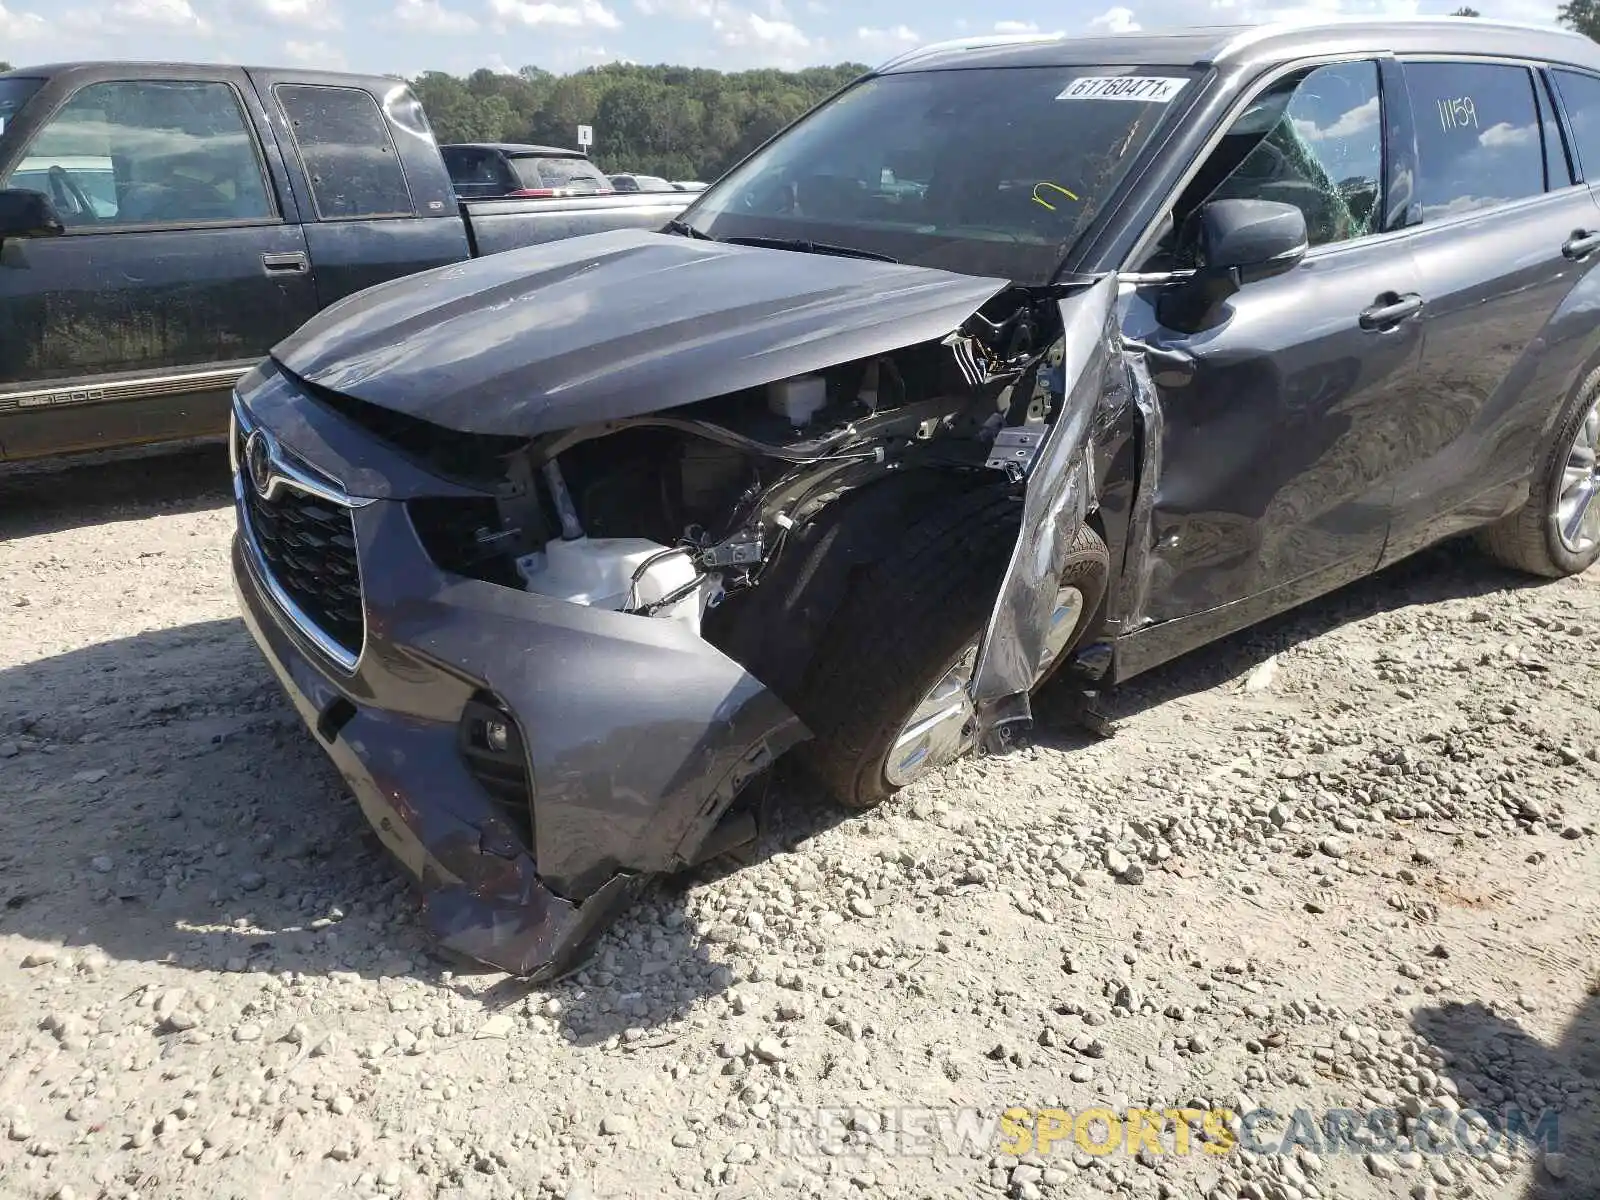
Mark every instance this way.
x=258 y=461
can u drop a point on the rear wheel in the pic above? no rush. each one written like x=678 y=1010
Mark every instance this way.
x=887 y=702
x=1557 y=533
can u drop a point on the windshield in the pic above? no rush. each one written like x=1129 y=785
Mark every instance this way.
x=14 y=94
x=995 y=171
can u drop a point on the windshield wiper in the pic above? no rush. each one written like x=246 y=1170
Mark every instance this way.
x=808 y=247
x=689 y=231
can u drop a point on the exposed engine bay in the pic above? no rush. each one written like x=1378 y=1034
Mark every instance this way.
x=681 y=514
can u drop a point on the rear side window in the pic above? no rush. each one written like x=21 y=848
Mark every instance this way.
x=1478 y=136
x=578 y=174
x=470 y=167
x=1580 y=94
x=348 y=154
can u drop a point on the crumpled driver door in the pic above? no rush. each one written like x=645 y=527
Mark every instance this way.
x=1060 y=483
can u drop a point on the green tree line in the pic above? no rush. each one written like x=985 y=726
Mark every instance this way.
x=1582 y=15
x=676 y=122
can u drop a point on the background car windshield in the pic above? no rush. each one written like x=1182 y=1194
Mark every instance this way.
x=577 y=174
x=992 y=171
x=14 y=94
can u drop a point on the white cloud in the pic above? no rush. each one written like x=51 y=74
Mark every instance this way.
x=167 y=14
x=315 y=54
x=816 y=8
x=1115 y=20
x=430 y=16
x=579 y=14
x=736 y=27
x=299 y=14
x=19 y=26
x=1461 y=204
x=1505 y=134
x=772 y=33
x=689 y=10
x=1349 y=123
x=1015 y=27
x=898 y=35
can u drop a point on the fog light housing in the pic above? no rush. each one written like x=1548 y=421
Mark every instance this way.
x=491 y=745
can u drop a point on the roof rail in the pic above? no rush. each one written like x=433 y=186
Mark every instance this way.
x=980 y=42
x=1261 y=33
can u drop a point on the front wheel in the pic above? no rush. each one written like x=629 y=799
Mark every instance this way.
x=1557 y=532
x=887 y=701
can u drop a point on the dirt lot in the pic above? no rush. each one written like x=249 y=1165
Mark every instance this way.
x=1346 y=861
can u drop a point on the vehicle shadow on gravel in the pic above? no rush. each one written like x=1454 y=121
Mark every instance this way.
x=1452 y=571
x=165 y=805
x=54 y=496
x=1510 y=1069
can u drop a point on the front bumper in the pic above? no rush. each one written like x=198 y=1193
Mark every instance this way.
x=638 y=734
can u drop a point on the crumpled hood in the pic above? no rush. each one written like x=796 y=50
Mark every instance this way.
x=614 y=325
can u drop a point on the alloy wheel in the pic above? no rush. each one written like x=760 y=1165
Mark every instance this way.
x=1577 y=510
x=940 y=730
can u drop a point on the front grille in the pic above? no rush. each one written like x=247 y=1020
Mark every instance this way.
x=309 y=547
x=302 y=539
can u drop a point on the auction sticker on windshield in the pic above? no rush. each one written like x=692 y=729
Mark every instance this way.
x=1152 y=89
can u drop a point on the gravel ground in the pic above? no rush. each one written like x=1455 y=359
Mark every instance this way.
x=1344 y=861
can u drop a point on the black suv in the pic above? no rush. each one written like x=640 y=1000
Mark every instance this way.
x=1015 y=359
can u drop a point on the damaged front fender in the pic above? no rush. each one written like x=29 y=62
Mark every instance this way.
x=1060 y=483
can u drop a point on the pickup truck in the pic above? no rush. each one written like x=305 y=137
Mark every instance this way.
x=162 y=226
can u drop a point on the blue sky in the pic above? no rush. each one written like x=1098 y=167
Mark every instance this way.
x=409 y=36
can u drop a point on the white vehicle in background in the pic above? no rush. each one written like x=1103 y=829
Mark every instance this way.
x=689 y=185
x=92 y=172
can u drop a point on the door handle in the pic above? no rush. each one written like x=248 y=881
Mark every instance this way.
x=1580 y=245
x=293 y=263
x=1389 y=310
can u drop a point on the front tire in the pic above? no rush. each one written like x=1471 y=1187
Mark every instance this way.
x=886 y=701
x=1557 y=532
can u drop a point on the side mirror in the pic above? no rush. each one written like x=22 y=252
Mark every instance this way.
x=25 y=214
x=1256 y=239
x=1237 y=242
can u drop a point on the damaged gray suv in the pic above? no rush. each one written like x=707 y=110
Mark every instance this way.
x=1011 y=360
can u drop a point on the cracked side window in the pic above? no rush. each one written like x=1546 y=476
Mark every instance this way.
x=1314 y=140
